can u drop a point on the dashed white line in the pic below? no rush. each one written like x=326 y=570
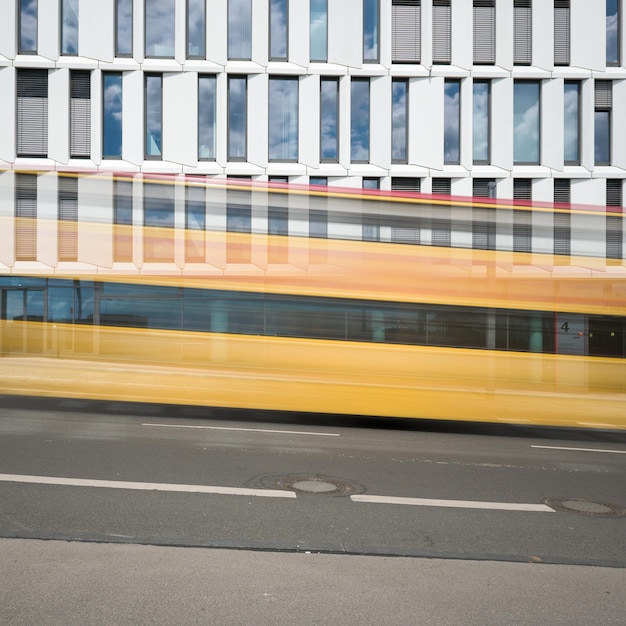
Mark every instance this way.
x=250 y=430
x=120 y=484
x=455 y=504
x=580 y=449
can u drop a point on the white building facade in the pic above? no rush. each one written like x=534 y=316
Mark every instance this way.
x=511 y=98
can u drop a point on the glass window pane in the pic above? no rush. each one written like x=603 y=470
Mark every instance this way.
x=206 y=117
x=112 y=115
x=239 y=29
x=69 y=27
x=319 y=30
x=399 y=104
x=370 y=30
x=124 y=28
x=283 y=119
x=278 y=29
x=160 y=18
x=28 y=26
x=612 y=32
x=328 y=128
x=196 y=20
x=572 y=122
x=451 y=111
x=154 y=116
x=602 y=121
x=360 y=120
x=237 y=122
x=526 y=122
x=480 y=122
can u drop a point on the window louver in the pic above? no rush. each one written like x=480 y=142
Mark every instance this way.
x=80 y=114
x=562 y=221
x=603 y=95
x=442 y=31
x=522 y=32
x=406 y=25
x=484 y=32
x=406 y=184
x=32 y=113
x=25 y=217
x=68 y=218
x=561 y=32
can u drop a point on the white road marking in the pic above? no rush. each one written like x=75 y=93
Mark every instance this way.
x=579 y=449
x=120 y=484
x=251 y=430
x=455 y=504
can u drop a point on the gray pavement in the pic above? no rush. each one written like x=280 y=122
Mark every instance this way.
x=57 y=582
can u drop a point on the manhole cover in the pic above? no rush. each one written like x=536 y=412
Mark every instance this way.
x=585 y=507
x=307 y=484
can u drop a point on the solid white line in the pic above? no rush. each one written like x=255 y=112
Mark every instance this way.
x=455 y=504
x=251 y=430
x=119 y=484
x=579 y=449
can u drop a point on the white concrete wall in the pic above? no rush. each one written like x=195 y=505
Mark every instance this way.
x=59 y=115
x=7 y=114
x=96 y=17
x=180 y=118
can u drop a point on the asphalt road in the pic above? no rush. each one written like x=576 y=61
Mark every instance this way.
x=176 y=476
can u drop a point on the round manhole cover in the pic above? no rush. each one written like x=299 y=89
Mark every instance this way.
x=307 y=484
x=581 y=506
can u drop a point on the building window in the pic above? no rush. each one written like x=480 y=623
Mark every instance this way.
x=561 y=32
x=329 y=116
x=32 y=113
x=484 y=32
x=195 y=223
x=480 y=121
x=122 y=221
x=399 y=119
x=321 y=181
x=80 y=114
x=602 y=121
x=69 y=27
x=112 y=115
x=206 y=117
x=196 y=29
x=283 y=119
x=240 y=29
x=25 y=217
x=278 y=225
x=370 y=31
x=522 y=32
x=522 y=220
x=484 y=188
x=370 y=182
x=278 y=30
x=526 y=122
x=562 y=217
x=441 y=223
x=27 y=27
x=360 y=120
x=483 y=224
x=613 y=28
x=614 y=223
x=68 y=218
x=239 y=223
x=452 y=116
x=442 y=29
x=571 y=116
x=153 y=94
x=158 y=216
x=237 y=118
x=406 y=31
x=123 y=28
x=319 y=30
x=406 y=184
x=160 y=26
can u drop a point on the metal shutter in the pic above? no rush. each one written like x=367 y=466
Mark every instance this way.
x=614 y=223
x=562 y=221
x=483 y=229
x=406 y=29
x=441 y=31
x=481 y=186
x=522 y=32
x=32 y=113
x=406 y=184
x=561 y=32
x=522 y=189
x=603 y=95
x=442 y=186
x=403 y=234
x=484 y=32
x=80 y=113
x=68 y=218
x=441 y=225
x=522 y=231
x=25 y=217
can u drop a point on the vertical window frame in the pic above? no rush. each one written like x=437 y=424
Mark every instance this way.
x=353 y=129
x=562 y=32
x=487 y=160
x=484 y=32
x=147 y=101
x=210 y=78
x=536 y=83
x=80 y=114
x=447 y=135
x=231 y=45
x=371 y=57
x=171 y=23
x=67 y=218
x=202 y=53
x=603 y=104
x=442 y=32
x=271 y=41
x=404 y=158
x=618 y=38
x=29 y=111
x=522 y=32
x=313 y=57
x=20 y=28
x=65 y=27
x=118 y=52
x=329 y=81
x=105 y=77
x=273 y=80
x=577 y=84
x=406 y=31
x=244 y=156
